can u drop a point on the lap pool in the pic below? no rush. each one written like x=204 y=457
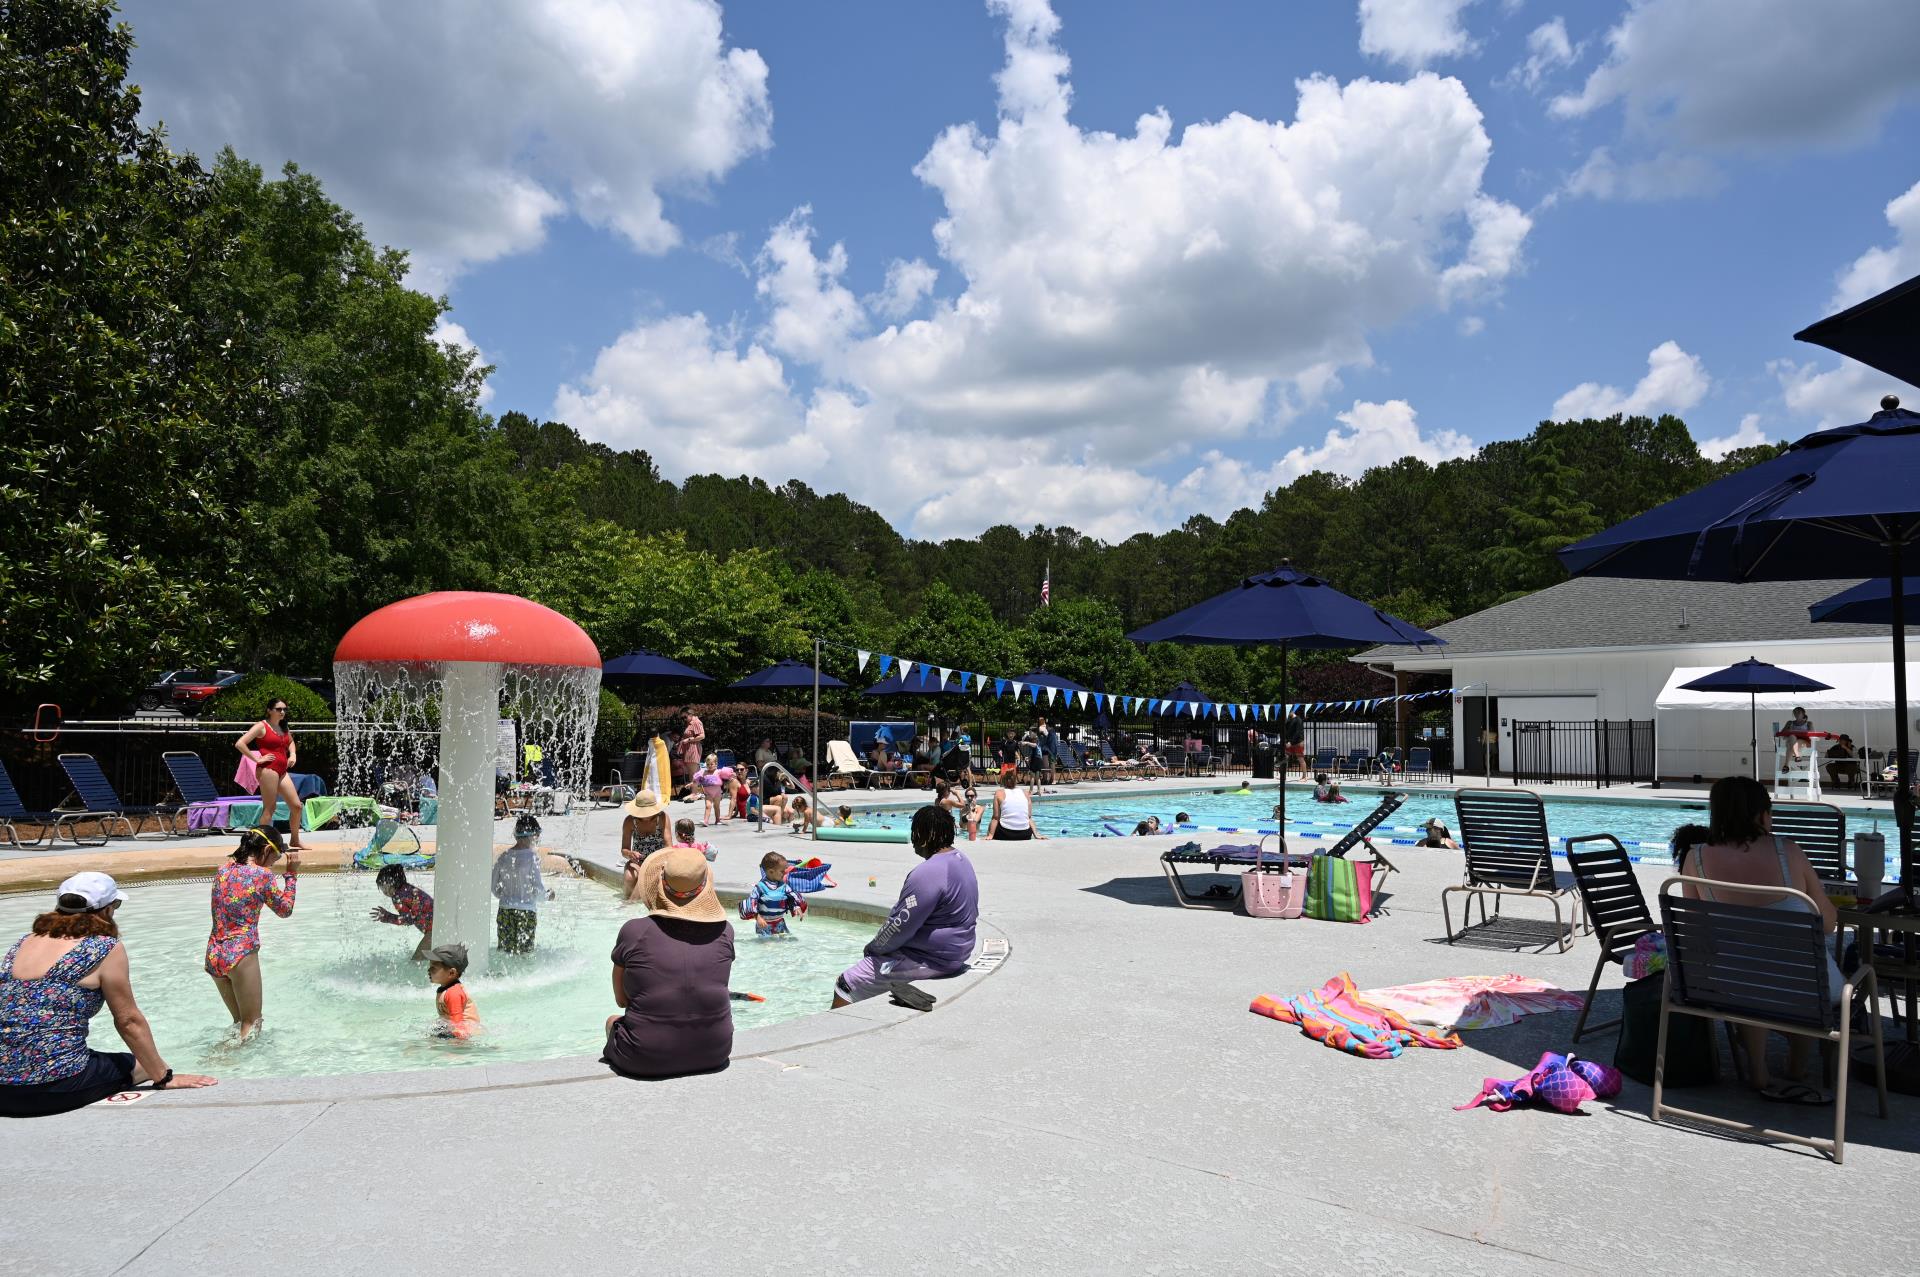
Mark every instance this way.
x=343 y=994
x=1644 y=825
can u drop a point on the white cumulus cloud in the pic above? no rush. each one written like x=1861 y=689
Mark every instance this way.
x=1747 y=434
x=1675 y=382
x=1413 y=33
x=1755 y=72
x=449 y=333
x=1879 y=269
x=1548 y=49
x=458 y=131
x=1124 y=304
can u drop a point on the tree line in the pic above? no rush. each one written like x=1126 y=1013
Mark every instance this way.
x=227 y=432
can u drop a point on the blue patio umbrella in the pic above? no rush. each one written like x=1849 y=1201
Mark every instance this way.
x=1754 y=677
x=1284 y=608
x=1880 y=332
x=785 y=674
x=1845 y=498
x=644 y=666
x=1869 y=603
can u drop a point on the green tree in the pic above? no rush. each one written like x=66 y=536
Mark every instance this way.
x=1549 y=518
x=119 y=390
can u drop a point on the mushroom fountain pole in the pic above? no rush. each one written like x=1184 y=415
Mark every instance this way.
x=464 y=646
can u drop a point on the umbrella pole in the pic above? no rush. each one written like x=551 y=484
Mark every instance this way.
x=1280 y=821
x=1753 y=732
x=1902 y=775
x=814 y=823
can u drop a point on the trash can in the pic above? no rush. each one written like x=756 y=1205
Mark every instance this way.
x=1263 y=759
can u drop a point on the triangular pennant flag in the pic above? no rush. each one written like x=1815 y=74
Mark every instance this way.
x=1000 y=687
x=886 y=663
x=979 y=681
x=945 y=674
x=1018 y=688
x=863 y=658
x=1051 y=693
x=906 y=668
x=1083 y=699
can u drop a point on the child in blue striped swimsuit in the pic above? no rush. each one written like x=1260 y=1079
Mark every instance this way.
x=771 y=901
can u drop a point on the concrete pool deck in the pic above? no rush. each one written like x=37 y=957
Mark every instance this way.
x=1099 y=1101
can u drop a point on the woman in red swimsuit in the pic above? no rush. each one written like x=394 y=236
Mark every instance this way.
x=270 y=745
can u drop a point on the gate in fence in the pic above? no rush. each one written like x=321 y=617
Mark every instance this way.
x=1589 y=752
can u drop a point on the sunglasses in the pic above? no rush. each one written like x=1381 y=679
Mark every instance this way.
x=276 y=709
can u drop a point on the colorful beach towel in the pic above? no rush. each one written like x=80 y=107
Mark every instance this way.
x=1458 y=1003
x=1341 y=1018
x=1562 y=1083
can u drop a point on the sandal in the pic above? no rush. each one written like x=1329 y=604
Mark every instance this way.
x=1794 y=1093
x=1217 y=892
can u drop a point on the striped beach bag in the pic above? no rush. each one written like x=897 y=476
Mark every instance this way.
x=1339 y=890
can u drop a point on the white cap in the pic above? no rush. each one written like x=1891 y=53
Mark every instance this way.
x=97 y=889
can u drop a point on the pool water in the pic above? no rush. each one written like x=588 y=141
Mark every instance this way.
x=343 y=994
x=1643 y=825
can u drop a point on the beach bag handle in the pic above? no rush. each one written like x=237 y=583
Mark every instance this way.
x=1273 y=895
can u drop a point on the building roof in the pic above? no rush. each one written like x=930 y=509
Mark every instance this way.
x=1601 y=611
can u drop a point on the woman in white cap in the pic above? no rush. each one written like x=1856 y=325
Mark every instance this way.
x=54 y=982
x=670 y=974
x=643 y=831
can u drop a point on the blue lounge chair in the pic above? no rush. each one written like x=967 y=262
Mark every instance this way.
x=207 y=808
x=51 y=822
x=96 y=794
x=1323 y=760
x=1222 y=858
x=1357 y=761
x=1420 y=761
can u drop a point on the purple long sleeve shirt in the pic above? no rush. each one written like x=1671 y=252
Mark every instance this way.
x=933 y=921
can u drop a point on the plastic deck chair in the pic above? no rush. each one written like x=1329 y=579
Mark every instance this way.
x=1615 y=906
x=96 y=794
x=1323 y=760
x=51 y=822
x=1509 y=854
x=393 y=843
x=197 y=790
x=1420 y=760
x=1821 y=831
x=1763 y=966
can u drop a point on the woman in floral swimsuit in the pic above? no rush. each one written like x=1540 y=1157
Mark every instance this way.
x=240 y=890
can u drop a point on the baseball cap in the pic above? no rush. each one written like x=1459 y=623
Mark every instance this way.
x=98 y=890
x=449 y=955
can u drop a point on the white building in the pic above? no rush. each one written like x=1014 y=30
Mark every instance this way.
x=1608 y=648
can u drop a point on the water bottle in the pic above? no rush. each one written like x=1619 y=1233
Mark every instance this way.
x=1869 y=862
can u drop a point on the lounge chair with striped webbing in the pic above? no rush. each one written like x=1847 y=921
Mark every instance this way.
x=1221 y=859
x=1503 y=833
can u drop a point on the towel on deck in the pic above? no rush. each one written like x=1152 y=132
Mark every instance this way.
x=1340 y=1017
x=1460 y=1002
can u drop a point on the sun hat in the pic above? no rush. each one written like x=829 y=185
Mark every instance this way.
x=645 y=803
x=449 y=955
x=97 y=889
x=676 y=883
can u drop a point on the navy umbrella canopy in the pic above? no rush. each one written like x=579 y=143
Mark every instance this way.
x=1869 y=603
x=1882 y=332
x=1848 y=498
x=786 y=673
x=1284 y=608
x=1754 y=677
x=644 y=666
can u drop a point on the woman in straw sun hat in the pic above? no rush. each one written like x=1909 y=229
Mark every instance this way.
x=643 y=831
x=670 y=974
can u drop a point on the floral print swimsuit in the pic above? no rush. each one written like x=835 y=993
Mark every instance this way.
x=239 y=893
x=43 y=1021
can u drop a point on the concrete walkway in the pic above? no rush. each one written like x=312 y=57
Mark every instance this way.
x=1101 y=1101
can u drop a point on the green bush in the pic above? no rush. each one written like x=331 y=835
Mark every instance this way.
x=247 y=701
x=615 y=730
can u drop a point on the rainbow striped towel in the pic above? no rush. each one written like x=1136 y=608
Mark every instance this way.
x=1338 y=1016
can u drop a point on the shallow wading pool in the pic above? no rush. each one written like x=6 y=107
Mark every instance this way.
x=343 y=994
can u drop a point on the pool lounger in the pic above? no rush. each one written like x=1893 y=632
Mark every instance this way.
x=1221 y=857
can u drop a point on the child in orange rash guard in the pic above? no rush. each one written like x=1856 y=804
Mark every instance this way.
x=458 y=1018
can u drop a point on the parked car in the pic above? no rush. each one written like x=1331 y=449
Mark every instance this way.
x=161 y=690
x=191 y=698
x=321 y=687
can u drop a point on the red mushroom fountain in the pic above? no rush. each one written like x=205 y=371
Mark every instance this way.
x=465 y=655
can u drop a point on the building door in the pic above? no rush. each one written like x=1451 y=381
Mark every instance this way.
x=1474 y=713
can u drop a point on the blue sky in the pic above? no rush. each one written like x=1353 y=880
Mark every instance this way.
x=1394 y=226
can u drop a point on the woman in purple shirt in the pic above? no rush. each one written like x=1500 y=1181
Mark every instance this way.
x=929 y=934
x=670 y=974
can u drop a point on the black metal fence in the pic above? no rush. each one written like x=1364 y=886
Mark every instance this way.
x=1589 y=752
x=1233 y=747
x=130 y=753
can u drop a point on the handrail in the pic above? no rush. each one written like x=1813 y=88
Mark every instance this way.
x=761 y=770
x=57 y=723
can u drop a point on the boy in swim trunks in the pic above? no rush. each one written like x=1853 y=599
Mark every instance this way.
x=772 y=901
x=458 y=1019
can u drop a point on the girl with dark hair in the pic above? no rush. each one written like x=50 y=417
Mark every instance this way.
x=1741 y=848
x=269 y=746
x=929 y=935
x=56 y=979
x=243 y=887
x=412 y=906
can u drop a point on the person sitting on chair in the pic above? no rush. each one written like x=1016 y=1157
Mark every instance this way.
x=1843 y=762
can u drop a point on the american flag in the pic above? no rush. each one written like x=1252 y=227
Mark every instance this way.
x=1046 y=586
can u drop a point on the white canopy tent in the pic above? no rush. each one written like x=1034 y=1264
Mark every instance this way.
x=1862 y=688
